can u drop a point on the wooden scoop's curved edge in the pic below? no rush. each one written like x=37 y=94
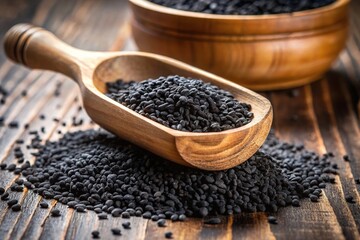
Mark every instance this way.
x=209 y=151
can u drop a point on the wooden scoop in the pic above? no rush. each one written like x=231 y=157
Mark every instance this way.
x=37 y=48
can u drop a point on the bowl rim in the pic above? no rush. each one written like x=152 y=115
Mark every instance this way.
x=196 y=15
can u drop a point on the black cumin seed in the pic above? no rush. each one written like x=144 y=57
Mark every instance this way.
x=80 y=209
x=44 y=205
x=95 y=234
x=5 y=196
x=161 y=223
x=55 y=213
x=116 y=212
x=350 y=199
x=272 y=220
x=12 y=202
x=126 y=225
x=13 y=124
x=16 y=207
x=168 y=235
x=116 y=231
x=11 y=167
x=19 y=181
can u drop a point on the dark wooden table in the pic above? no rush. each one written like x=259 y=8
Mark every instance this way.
x=324 y=116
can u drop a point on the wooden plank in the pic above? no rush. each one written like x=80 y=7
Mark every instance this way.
x=332 y=140
x=252 y=226
x=189 y=229
x=295 y=121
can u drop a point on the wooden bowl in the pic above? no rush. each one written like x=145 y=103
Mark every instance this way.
x=262 y=52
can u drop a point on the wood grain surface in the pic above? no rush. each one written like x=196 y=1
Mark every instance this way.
x=324 y=116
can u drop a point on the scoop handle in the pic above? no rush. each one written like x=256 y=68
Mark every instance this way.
x=38 y=48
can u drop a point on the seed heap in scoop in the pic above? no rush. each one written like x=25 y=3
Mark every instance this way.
x=183 y=104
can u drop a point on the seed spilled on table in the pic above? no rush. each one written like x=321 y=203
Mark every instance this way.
x=99 y=171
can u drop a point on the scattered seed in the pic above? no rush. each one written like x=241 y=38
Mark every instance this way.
x=168 y=235
x=44 y=205
x=3 y=166
x=16 y=207
x=95 y=234
x=68 y=170
x=126 y=225
x=5 y=196
x=116 y=231
x=11 y=167
x=13 y=124
x=350 y=199
x=12 y=202
x=272 y=220
x=55 y=213
x=3 y=91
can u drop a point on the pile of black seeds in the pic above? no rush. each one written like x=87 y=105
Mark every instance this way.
x=96 y=171
x=181 y=103
x=243 y=7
